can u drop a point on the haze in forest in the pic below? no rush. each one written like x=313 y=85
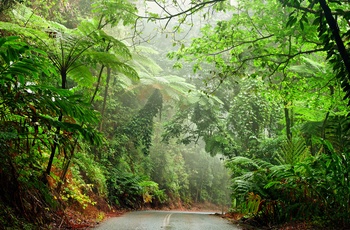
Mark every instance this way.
x=239 y=106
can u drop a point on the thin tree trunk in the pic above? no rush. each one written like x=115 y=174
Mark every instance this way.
x=105 y=98
x=100 y=76
x=98 y=84
x=55 y=141
x=66 y=166
x=288 y=121
x=323 y=135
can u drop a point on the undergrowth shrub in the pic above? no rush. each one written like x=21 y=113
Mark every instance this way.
x=305 y=188
x=25 y=200
x=132 y=191
x=92 y=173
x=9 y=219
x=151 y=191
x=76 y=189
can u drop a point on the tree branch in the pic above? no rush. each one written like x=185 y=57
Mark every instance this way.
x=190 y=10
x=242 y=43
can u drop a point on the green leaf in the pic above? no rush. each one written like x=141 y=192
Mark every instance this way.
x=301 y=25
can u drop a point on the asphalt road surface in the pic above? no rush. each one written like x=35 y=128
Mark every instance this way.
x=167 y=220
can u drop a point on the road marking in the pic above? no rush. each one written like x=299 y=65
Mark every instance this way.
x=166 y=221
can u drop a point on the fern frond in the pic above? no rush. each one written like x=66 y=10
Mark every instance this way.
x=157 y=80
x=246 y=176
x=89 y=28
x=115 y=12
x=27 y=24
x=272 y=184
x=24 y=31
x=88 y=133
x=280 y=172
x=144 y=50
x=314 y=64
x=127 y=71
x=111 y=61
x=82 y=75
x=241 y=187
x=145 y=64
x=147 y=80
x=337 y=132
x=117 y=47
x=180 y=84
x=312 y=128
x=63 y=101
x=293 y=151
x=263 y=164
x=13 y=64
x=239 y=160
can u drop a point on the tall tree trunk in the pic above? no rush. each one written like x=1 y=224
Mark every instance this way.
x=323 y=134
x=287 y=117
x=109 y=46
x=55 y=141
x=105 y=98
x=335 y=31
x=333 y=25
x=98 y=154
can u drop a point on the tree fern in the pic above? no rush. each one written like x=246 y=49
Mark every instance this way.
x=100 y=38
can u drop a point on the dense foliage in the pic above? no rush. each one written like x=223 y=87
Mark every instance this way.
x=78 y=115
x=281 y=70
x=92 y=119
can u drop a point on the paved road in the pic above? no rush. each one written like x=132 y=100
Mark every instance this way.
x=167 y=220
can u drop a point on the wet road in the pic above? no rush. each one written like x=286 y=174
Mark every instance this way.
x=167 y=220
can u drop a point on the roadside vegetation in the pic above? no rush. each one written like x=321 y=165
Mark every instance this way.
x=239 y=104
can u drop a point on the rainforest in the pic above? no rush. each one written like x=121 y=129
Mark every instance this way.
x=109 y=106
